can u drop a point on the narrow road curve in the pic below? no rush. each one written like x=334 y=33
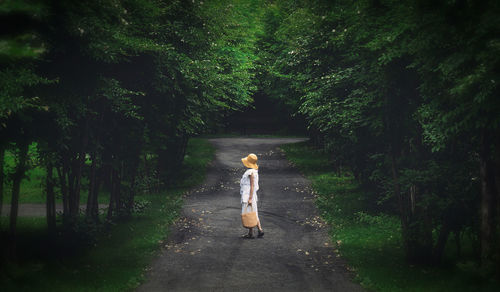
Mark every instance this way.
x=205 y=252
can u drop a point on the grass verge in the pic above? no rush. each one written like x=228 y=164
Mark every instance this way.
x=117 y=259
x=371 y=241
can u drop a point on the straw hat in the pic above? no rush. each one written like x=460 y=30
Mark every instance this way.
x=250 y=161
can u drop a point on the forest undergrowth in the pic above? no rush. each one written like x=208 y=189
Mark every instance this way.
x=110 y=257
x=370 y=239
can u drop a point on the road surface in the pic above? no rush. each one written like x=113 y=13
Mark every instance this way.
x=205 y=251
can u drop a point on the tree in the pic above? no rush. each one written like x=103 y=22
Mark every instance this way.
x=397 y=92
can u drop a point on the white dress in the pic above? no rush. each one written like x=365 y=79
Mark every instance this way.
x=245 y=190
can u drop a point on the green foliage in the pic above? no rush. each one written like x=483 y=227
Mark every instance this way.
x=118 y=258
x=401 y=93
x=20 y=45
x=371 y=241
x=107 y=83
x=13 y=81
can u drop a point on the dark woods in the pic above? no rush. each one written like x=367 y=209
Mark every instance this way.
x=402 y=94
x=105 y=94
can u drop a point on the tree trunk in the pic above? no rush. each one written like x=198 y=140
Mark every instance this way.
x=496 y=170
x=16 y=185
x=2 y=175
x=129 y=191
x=403 y=210
x=78 y=182
x=488 y=199
x=91 y=212
x=95 y=201
x=458 y=244
x=71 y=191
x=147 y=174
x=77 y=175
x=131 y=196
x=182 y=150
x=416 y=231
x=51 y=199
x=171 y=158
x=162 y=165
x=117 y=181
x=441 y=242
x=113 y=193
x=61 y=173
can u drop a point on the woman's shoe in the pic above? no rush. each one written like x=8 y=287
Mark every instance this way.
x=261 y=234
x=249 y=235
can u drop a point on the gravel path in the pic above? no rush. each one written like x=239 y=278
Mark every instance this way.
x=206 y=253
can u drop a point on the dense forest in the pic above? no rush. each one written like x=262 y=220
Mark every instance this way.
x=102 y=86
x=403 y=95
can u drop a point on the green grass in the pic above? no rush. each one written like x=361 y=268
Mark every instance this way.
x=32 y=185
x=117 y=259
x=370 y=241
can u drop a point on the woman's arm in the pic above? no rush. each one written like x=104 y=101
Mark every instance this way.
x=251 y=190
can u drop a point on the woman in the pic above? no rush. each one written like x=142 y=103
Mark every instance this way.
x=249 y=185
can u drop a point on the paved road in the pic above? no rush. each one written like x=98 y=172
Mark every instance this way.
x=205 y=252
